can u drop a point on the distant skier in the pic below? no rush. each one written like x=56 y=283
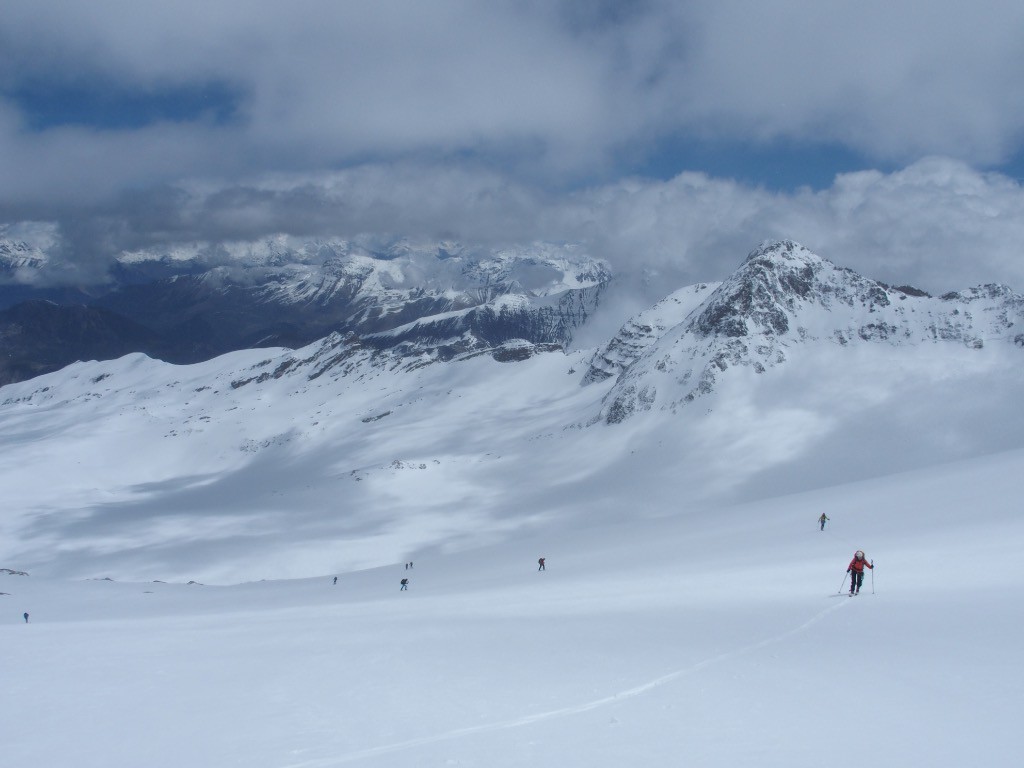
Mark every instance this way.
x=335 y=579
x=26 y=618
x=823 y=519
x=856 y=571
x=405 y=585
x=540 y=565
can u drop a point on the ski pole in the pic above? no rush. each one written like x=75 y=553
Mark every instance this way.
x=843 y=584
x=872 y=577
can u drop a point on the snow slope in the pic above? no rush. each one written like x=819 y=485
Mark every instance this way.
x=689 y=613
x=702 y=639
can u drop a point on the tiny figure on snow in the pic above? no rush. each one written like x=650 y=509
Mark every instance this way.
x=335 y=579
x=26 y=617
x=407 y=566
x=856 y=571
x=540 y=564
x=823 y=519
x=405 y=585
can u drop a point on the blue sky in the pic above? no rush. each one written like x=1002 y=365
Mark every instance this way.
x=135 y=126
x=780 y=164
x=107 y=105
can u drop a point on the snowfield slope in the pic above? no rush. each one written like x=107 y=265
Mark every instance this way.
x=705 y=639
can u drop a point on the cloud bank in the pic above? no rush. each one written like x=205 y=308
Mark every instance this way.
x=518 y=120
x=548 y=90
x=937 y=224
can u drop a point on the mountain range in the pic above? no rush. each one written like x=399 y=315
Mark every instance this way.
x=783 y=298
x=185 y=307
x=459 y=427
x=201 y=563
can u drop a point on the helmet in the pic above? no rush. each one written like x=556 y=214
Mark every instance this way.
x=859 y=554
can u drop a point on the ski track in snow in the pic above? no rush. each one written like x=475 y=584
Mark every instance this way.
x=565 y=711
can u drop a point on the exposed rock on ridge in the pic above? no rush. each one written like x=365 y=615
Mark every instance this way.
x=437 y=299
x=783 y=295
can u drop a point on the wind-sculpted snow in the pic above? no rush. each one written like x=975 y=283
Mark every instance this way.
x=781 y=298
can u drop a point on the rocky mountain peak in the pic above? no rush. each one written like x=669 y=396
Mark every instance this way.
x=16 y=254
x=782 y=252
x=783 y=295
x=774 y=281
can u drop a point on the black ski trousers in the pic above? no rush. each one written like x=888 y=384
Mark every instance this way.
x=856 y=579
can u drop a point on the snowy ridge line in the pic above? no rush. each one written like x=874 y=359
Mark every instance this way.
x=326 y=762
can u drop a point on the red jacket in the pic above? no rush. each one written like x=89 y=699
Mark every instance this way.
x=858 y=565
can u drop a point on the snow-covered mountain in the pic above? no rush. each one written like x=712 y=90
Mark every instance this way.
x=24 y=246
x=691 y=608
x=782 y=298
x=191 y=304
x=358 y=449
x=643 y=330
x=16 y=255
x=428 y=296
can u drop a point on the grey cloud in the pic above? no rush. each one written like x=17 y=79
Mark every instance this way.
x=553 y=91
x=480 y=121
x=936 y=224
x=894 y=80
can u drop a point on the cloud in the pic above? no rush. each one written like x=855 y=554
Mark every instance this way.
x=520 y=120
x=546 y=91
x=318 y=84
x=936 y=224
x=893 y=80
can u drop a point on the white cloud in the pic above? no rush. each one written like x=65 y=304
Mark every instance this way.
x=936 y=224
x=892 y=80
x=470 y=120
x=545 y=88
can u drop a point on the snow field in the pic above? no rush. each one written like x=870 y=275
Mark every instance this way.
x=704 y=639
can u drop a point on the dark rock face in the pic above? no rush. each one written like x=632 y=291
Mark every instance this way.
x=39 y=336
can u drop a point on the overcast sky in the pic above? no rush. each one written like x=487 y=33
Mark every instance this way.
x=886 y=136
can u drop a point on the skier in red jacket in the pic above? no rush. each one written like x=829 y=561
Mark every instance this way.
x=856 y=571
